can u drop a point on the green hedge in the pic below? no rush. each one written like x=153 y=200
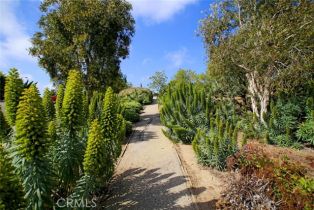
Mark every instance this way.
x=141 y=95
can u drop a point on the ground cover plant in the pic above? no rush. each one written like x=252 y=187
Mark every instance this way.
x=267 y=182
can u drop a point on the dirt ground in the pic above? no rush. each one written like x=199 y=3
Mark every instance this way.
x=154 y=173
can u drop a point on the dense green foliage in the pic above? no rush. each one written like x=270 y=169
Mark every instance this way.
x=306 y=129
x=30 y=147
x=131 y=110
x=13 y=91
x=11 y=191
x=48 y=104
x=184 y=110
x=2 y=85
x=141 y=95
x=259 y=49
x=92 y=36
x=213 y=147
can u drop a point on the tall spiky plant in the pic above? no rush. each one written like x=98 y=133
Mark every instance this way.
x=12 y=92
x=29 y=149
x=184 y=110
x=97 y=160
x=95 y=106
x=4 y=127
x=48 y=104
x=59 y=101
x=109 y=120
x=11 y=190
x=69 y=147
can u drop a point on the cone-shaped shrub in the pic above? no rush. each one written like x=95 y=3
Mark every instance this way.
x=112 y=123
x=97 y=160
x=12 y=92
x=59 y=101
x=109 y=114
x=48 y=104
x=11 y=190
x=69 y=150
x=95 y=106
x=30 y=147
x=72 y=105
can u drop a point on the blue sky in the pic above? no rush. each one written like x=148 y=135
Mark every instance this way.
x=165 y=39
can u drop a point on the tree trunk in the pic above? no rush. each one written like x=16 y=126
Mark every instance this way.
x=259 y=94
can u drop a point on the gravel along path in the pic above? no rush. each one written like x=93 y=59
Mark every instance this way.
x=149 y=175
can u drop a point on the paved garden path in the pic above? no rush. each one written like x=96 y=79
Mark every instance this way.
x=149 y=175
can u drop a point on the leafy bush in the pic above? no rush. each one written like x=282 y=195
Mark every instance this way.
x=13 y=91
x=213 y=147
x=184 y=110
x=11 y=190
x=132 y=105
x=306 y=129
x=131 y=115
x=283 y=122
x=131 y=110
x=141 y=95
x=29 y=149
x=128 y=127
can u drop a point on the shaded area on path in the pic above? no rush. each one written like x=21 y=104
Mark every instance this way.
x=146 y=189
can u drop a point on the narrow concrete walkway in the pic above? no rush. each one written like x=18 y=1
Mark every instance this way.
x=149 y=174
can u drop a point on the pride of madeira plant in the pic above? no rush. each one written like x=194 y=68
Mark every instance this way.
x=69 y=148
x=110 y=123
x=12 y=92
x=29 y=149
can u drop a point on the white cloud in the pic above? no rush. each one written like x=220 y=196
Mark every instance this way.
x=156 y=11
x=178 y=57
x=14 y=40
x=146 y=61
